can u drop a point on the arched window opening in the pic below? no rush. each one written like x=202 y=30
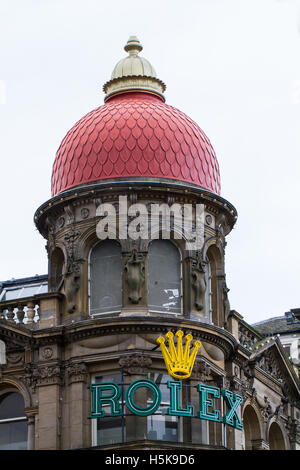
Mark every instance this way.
x=56 y=269
x=164 y=277
x=251 y=428
x=13 y=422
x=105 y=277
x=276 y=440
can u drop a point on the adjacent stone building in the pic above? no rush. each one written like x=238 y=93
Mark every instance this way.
x=96 y=315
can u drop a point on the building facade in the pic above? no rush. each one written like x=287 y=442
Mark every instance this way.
x=118 y=280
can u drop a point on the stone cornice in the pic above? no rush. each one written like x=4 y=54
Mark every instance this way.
x=118 y=325
x=121 y=325
x=148 y=188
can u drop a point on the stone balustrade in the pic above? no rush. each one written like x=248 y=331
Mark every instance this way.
x=22 y=311
x=39 y=311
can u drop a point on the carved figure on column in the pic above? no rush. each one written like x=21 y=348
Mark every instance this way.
x=72 y=285
x=73 y=271
x=226 y=303
x=135 y=276
x=199 y=283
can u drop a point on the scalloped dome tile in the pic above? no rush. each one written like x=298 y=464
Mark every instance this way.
x=135 y=135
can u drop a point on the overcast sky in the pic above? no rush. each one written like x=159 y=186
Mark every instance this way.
x=233 y=66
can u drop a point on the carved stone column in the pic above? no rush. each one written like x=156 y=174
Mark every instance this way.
x=31 y=414
x=77 y=399
x=49 y=427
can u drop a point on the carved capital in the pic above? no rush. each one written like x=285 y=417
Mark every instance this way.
x=135 y=364
x=77 y=372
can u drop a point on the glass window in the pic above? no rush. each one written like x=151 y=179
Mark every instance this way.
x=22 y=291
x=109 y=430
x=105 y=278
x=13 y=422
x=164 y=277
x=161 y=426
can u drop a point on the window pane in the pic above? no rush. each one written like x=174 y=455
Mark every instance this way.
x=160 y=425
x=164 y=277
x=109 y=430
x=106 y=277
x=13 y=436
x=11 y=406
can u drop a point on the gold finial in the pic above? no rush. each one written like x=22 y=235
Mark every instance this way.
x=133 y=73
x=133 y=46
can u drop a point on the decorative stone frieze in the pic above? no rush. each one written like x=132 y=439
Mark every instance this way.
x=136 y=364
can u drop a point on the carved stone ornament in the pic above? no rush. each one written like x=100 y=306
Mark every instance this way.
x=39 y=376
x=47 y=353
x=199 y=282
x=265 y=408
x=77 y=372
x=72 y=286
x=85 y=212
x=135 y=363
x=135 y=276
x=201 y=371
x=73 y=271
x=226 y=304
x=14 y=359
x=48 y=375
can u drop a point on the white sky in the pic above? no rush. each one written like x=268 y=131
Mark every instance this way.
x=231 y=65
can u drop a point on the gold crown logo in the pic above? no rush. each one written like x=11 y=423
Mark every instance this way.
x=179 y=363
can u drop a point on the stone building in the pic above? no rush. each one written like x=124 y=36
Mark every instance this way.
x=287 y=329
x=95 y=318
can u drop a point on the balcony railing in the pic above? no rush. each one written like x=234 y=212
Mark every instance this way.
x=34 y=312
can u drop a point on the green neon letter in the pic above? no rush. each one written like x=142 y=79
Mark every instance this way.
x=175 y=409
x=205 y=402
x=136 y=409
x=98 y=399
x=233 y=401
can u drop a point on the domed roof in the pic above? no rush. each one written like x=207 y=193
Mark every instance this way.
x=135 y=134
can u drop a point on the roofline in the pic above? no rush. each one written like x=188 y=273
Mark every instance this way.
x=24 y=280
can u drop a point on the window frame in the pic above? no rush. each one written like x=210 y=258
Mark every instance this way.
x=100 y=314
x=150 y=310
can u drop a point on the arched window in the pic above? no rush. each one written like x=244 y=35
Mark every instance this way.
x=164 y=277
x=276 y=439
x=13 y=422
x=251 y=428
x=105 y=278
x=56 y=269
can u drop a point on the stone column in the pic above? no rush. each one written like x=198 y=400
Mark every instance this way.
x=77 y=388
x=31 y=413
x=49 y=428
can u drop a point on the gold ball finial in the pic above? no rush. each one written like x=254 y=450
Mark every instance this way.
x=133 y=46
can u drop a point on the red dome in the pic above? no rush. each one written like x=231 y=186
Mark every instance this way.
x=135 y=135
